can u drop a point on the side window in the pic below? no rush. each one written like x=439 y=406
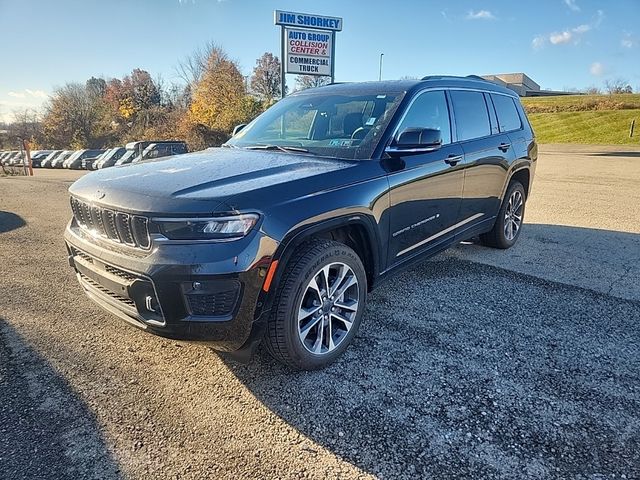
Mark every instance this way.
x=429 y=110
x=178 y=149
x=472 y=117
x=508 y=117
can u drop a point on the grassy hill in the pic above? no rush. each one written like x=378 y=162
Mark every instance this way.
x=594 y=119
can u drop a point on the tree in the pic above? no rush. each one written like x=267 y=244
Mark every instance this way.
x=194 y=65
x=593 y=90
x=96 y=87
x=71 y=118
x=266 y=77
x=617 y=85
x=309 y=81
x=220 y=100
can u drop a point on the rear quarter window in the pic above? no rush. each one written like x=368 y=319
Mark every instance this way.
x=471 y=114
x=507 y=112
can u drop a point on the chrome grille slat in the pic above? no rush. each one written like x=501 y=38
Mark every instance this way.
x=109 y=217
x=119 y=227
x=123 y=224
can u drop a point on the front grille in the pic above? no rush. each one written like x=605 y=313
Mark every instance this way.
x=213 y=305
x=130 y=277
x=126 y=301
x=82 y=255
x=120 y=227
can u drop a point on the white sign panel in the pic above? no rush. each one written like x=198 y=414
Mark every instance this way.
x=308 y=51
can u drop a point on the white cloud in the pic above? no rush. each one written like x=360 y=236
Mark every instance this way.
x=572 y=5
x=581 y=29
x=538 y=42
x=570 y=35
x=596 y=69
x=628 y=41
x=29 y=93
x=480 y=15
x=37 y=93
x=562 y=37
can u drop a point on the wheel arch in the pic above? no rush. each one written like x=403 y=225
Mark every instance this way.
x=358 y=231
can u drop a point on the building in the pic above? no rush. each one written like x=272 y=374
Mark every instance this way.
x=522 y=84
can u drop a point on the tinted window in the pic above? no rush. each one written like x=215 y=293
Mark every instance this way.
x=472 y=118
x=429 y=110
x=508 y=117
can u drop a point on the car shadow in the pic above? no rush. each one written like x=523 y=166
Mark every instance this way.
x=616 y=154
x=10 y=221
x=472 y=371
x=46 y=430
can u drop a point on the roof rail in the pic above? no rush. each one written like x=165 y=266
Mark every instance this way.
x=453 y=77
x=477 y=77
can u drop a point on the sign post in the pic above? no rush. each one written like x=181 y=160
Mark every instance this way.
x=307 y=44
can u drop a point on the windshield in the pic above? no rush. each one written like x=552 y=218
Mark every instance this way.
x=76 y=154
x=126 y=156
x=335 y=125
x=106 y=154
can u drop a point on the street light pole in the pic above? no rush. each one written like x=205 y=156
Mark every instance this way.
x=380 y=73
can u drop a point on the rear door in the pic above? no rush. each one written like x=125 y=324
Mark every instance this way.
x=425 y=189
x=487 y=155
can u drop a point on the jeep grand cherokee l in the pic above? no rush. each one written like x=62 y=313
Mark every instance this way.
x=280 y=235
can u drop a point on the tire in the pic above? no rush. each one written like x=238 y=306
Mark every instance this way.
x=285 y=337
x=502 y=234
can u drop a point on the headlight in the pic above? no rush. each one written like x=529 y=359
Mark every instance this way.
x=216 y=228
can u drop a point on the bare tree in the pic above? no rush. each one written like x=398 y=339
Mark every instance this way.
x=266 y=77
x=194 y=65
x=26 y=124
x=310 y=81
x=593 y=90
x=617 y=85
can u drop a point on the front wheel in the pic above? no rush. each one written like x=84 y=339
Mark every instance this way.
x=508 y=225
x=318 y=306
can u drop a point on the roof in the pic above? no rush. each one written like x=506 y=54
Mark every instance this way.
x=396 y=86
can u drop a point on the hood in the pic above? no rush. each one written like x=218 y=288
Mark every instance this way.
x=197 y=182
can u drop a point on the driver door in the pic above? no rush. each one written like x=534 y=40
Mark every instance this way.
x=426 y=188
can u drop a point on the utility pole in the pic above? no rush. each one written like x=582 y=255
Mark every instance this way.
x=380 y=72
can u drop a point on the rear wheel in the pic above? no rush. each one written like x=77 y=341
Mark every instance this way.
x=508 y=225
x=318 y=306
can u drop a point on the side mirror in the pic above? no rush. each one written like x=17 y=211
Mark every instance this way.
x=237 y=128
x=415 y=140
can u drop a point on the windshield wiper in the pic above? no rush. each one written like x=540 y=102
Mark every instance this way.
x=282 y=148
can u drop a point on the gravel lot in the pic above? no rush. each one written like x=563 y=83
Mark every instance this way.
x=478 y=364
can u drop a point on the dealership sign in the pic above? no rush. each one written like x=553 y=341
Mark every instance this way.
x=308 y=43
x=308 y=52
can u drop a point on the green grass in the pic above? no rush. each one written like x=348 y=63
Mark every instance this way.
x=591 y=127
x=576 y=103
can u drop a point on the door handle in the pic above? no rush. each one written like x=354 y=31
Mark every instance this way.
x=453 y=160
x=504 y=146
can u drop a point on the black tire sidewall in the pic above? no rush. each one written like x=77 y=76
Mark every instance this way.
x=335 y=253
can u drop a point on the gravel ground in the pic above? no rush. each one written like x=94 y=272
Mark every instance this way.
x=461 y=369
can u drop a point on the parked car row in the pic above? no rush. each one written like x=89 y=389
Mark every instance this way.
x=93 y=159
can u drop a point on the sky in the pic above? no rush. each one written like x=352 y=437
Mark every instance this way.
x=558 y=43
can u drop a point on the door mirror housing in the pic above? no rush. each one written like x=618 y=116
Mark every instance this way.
x=237 y=128
x=414 y=140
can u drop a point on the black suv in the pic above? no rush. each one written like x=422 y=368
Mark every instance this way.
x=279 y=235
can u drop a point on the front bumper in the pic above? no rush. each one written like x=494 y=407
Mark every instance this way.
x=204 y=292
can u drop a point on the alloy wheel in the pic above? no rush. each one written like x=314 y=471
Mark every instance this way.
x=328 y=308
x=513 y=215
